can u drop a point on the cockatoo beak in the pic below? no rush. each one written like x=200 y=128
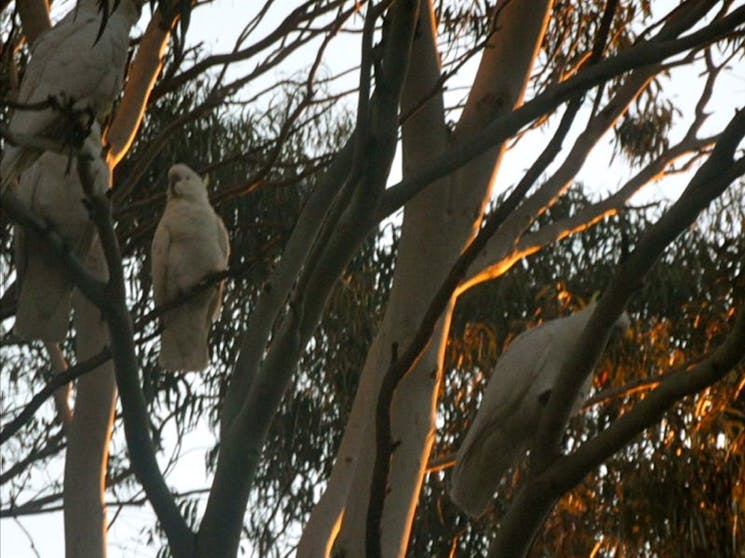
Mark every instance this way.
x=172 y=182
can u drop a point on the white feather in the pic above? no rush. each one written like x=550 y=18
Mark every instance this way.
x=67 y=63
x=53 y=192
x=511 y=408
x=189 y=244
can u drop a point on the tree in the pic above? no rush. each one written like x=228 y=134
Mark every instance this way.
x=304 y=191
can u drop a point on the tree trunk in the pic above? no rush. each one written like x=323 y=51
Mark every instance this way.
x=89 y=433
x=436 y=226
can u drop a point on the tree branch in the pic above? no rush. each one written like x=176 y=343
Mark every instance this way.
x=244 y=437
x=708 y=183
x=143 y=73
x=493 y=261
x=126 y=367
x=34 y=16
x=400 y=366
x=59 y=380
x=520 y=525
x=536 y=498
x=110 y=298
x=504 y=127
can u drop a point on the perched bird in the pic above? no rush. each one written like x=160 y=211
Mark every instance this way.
x=68 y=65
x=189 y=244
x=53 y=192
x=511 y=407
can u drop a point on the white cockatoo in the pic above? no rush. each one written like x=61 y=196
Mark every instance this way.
x=51 y=188
x=511 y=407
x=189 y=244
x=68 y=64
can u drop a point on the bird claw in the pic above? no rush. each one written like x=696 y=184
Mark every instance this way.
x=79 y=118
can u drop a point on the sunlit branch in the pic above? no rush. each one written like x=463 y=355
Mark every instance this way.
x=493 y=261
x=504 y=127
x=626 y=390
x=143 y=73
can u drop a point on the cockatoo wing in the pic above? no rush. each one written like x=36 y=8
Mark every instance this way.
x=197 y=246
x=55 y=195
x=499 y=434
x=223 y=243
x=159 y=264
x=512 y=405
x=183 y=343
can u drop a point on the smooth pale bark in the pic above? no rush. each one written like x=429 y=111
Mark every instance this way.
x=89 y=432
x=436 y=226
x=421 y=83
x=243 y=437
x=61 y=394
x=503 y=250
x=143 y=73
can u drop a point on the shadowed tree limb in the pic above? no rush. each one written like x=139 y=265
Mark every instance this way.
x=400 y=366
x=34 y=16
x=58 y=381
x=709 y=182
x=243 y=438
x=110 y=298
x=530 y=508
x=538 y=496
x=126 y=367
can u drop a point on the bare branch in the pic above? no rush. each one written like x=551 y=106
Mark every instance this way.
x=291 y=23
x=58 y=381
x=504 y=127
x=493 y=261
x=709 y=182
x=536 y=499
x=539 y=494
x=244 y=436
x=52 y=445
